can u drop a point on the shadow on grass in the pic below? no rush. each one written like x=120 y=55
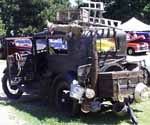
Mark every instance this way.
x=40 y=109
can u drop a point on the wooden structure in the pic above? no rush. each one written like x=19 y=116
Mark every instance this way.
x=90 y=13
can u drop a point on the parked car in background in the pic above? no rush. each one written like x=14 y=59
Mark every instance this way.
x=137 y=45
x=21 y=45
x=146 y=35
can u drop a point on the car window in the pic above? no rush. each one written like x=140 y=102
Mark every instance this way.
x=23 y=42
x=58 y=45
x=41 y=44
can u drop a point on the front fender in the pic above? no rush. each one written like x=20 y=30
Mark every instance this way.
x=69 y=76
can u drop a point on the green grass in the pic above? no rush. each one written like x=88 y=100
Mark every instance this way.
x=33 y=112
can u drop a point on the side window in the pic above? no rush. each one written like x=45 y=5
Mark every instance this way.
x=41 y=45
x=24 y=42
x=28 y=42
x=106 y=44
x=58 y=46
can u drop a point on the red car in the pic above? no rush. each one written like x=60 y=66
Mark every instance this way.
x=137 y=45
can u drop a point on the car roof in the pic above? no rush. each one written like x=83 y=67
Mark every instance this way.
x=17 y=38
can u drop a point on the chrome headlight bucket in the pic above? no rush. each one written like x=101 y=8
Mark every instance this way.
x=89 y=93
x=76 y=91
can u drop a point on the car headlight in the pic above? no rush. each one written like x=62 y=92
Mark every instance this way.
x=138 y=46
x=76 y=91
x=89 y=93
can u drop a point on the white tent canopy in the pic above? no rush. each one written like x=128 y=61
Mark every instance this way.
x=134 y=25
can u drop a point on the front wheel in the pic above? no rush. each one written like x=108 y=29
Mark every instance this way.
x=130 y=51
x=12 y=92
x=64 y=103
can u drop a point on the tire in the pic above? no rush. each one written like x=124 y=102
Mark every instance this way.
x=112 y=67
x=8 y=90
x=64 y=104
x=143 y=53
x=130 y=51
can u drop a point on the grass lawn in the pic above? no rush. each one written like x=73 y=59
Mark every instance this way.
x=34 y=112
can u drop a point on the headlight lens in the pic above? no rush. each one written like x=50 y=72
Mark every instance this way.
x=138 y=46
x=89 y=93
x=76 y=91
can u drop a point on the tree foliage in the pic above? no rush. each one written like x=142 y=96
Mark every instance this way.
x=146 y=12
x=79 y=2
x=125 y=9
x=2 y=28
x=28 y=16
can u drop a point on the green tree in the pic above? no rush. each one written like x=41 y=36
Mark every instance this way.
x=28 y=16
x=79 y=2
x=2 y=28
x=125 y=9
x=146 y=12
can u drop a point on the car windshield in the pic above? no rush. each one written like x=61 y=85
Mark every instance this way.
x=58 y=43
x=41 y=44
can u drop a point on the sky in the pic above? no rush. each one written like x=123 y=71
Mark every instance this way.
x=73 y=2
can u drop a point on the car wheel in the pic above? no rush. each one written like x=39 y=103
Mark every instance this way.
x=130 y=51
x=112 y=67
x=64 y=104
x=11 y=92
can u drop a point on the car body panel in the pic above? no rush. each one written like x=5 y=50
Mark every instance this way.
x=138 y=45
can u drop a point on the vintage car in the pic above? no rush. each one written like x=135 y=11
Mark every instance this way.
x=137 y=45
x=72 y=72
